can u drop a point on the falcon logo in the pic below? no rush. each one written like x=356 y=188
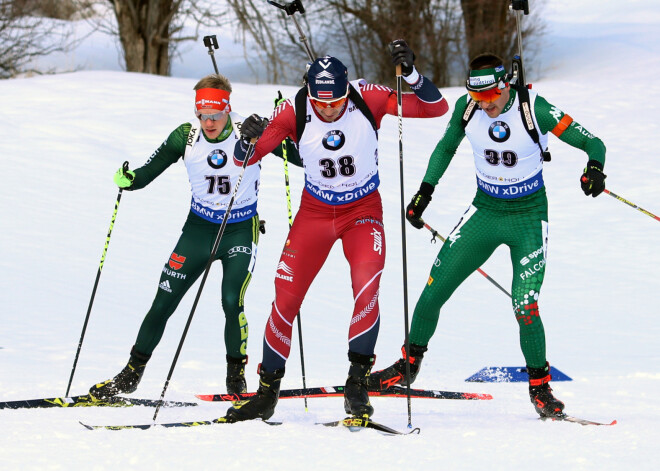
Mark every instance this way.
x=176 y=261
x=217 y=158
x=334 y=140
x=499 y=131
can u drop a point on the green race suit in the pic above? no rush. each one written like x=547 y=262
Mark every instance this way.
x=237 y=249
x=495 y=217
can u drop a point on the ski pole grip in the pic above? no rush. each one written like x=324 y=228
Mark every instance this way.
x=398 y=70
x=124 y=167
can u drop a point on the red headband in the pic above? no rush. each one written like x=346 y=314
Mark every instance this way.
x=212 y=99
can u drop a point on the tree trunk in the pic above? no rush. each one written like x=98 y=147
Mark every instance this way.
x=145 y=33
x=489 y=27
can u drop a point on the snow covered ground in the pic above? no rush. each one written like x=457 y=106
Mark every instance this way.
x=61 y=139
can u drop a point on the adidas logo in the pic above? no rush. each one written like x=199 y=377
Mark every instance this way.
x=165 y=286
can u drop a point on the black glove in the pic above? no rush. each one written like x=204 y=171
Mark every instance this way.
x=253 y=127
x=402 y=54
x=593 y=179
x=418 y=204
x=279 y=99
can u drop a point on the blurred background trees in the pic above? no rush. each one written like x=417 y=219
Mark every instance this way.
x=443 y=33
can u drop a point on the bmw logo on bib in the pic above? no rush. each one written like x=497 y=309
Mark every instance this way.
x=334 y=140
x=217 y=158
x=499 y=131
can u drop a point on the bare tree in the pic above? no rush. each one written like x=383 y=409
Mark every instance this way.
x=432 y=28
x=256 y=24
x=25 y=37
x=491 y=27
x=149 y=31
x=443 y=33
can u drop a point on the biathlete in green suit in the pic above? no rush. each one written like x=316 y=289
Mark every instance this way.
x=510 y=208
x=206 y=146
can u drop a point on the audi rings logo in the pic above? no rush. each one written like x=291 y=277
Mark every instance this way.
x=240 y=249
x=499 y=131
x=334 y=140
x=217 y=158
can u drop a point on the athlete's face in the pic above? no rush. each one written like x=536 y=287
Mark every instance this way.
x=212 y=122
x=494 y=108
x=329 y=110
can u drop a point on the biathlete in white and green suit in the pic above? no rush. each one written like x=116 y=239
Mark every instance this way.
x=206 y=147
x=510 y=208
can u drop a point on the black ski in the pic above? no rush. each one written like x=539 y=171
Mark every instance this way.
x=221 y=420
x=355 y=424
x=88 y=401
x=338 y=391
x=570 y=418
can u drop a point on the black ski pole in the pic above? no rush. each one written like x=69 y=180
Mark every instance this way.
x=632 y=205
x=285 y=158
x=290 y=9
x=519 y=7
x=211 y=42
x=214 y=251
x=96 y=283
x=399 y=103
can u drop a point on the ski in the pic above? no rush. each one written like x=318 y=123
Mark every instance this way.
x=221 y=420
x=570 y=418
x=88 y=401
x=355 y=424
x=338 y=391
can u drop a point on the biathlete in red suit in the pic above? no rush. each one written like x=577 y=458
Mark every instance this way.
x=339 y=150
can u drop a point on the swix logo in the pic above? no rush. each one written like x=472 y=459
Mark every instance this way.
x=165 y=286
x=176 y=261
x=286 y=269
x=378 y=241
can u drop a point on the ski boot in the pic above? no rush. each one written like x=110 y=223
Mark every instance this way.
x=236 y=375
x=126 y=381
x=540 y=393
x=262 y=405
x=396 y=374
x=356 y=398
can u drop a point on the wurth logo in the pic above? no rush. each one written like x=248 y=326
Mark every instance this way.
x=288 y=276
x=176 y=261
